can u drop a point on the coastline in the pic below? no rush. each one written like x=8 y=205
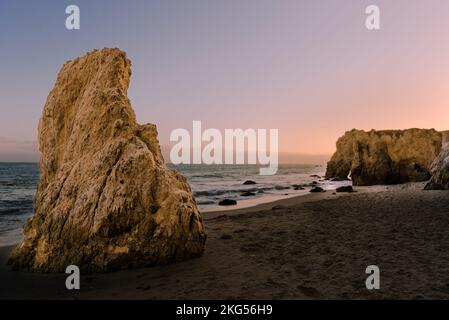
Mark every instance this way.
x=294 y=199
x=307 y=247
x=265 y=203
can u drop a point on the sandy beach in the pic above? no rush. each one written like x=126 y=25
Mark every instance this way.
x=308 y=247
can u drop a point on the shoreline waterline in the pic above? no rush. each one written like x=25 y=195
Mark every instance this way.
x=268 y=202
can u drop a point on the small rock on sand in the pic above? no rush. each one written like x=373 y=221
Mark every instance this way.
x=345 y=189
x=227 y=202
x=317 y=189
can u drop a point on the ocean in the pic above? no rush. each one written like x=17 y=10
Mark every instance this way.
x=18 y=183
x=210 y=184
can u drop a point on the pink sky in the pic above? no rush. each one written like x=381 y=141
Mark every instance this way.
x=308 y=68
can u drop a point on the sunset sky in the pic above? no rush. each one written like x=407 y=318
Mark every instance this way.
x=308 y=68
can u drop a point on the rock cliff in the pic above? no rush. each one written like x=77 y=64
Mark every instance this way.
x=385 y=157
x=440 y=172
x=105 y=200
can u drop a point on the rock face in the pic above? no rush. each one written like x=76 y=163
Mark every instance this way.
x=385 y=157
x=105 y=200
x=440 y=172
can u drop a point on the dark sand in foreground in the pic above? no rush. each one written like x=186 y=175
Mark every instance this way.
x=311 y=247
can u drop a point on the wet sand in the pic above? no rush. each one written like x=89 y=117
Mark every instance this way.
x=310 y=247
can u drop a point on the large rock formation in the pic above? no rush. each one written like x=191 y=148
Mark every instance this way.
x=385 y=157
x=440 y=168
x=105 y=200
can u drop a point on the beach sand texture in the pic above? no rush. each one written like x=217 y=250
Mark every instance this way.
x=311 y=247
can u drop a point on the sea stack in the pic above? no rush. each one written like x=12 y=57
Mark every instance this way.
x=385 y=157
x=105 y=200
x=440 y=168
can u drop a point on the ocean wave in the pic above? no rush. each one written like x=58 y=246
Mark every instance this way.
x=206 y=176
x=204 y=202
x=209 y=184
x=219 y=192
x=16 y=207
x=7 y=184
